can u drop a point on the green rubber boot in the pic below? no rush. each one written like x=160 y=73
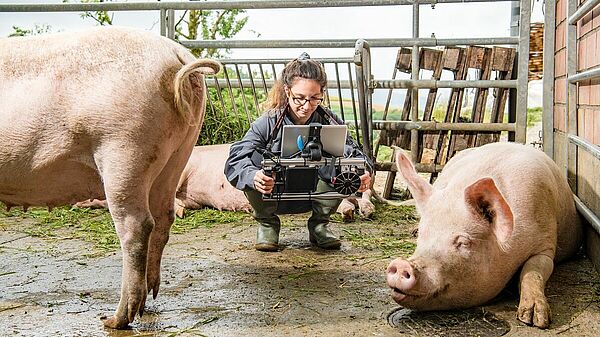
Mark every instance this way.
x=320 y=236
x=267 y=237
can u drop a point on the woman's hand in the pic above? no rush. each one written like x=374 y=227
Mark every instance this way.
x=365 y=182
x=263 y=183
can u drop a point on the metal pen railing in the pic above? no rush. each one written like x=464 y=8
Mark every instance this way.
x=252 y=77
x=414 y=83
x=574 y=141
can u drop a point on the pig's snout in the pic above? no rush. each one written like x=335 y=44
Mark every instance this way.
x=401 y=278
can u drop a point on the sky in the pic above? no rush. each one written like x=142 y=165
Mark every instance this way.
x=445 y=21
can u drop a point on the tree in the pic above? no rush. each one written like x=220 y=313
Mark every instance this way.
x=210 y=25
x=37 y=30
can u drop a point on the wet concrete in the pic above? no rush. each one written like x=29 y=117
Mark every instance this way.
x=215 y=284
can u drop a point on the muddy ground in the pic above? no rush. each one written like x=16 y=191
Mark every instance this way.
x=59 y=282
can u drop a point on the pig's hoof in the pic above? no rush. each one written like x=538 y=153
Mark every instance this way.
x=153 y=282
x=366 y=208
x=534 y=312
x=348 y=215
x=115 y=323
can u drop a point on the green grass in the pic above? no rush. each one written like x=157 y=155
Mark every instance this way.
x=207 y=218
x=96 y=227
x=534 y=115
x=90 y=225
x=389 y=230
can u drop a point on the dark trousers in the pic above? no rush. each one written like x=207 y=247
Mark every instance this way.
x=266 y=211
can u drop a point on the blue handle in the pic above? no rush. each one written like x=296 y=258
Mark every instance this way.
x=300 y=143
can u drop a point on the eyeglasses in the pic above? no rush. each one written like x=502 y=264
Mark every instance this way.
x=301 y=101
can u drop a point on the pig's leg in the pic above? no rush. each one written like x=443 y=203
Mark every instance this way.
x=365 y=205
x=346 y=208
x=162 y=200
x=127 y=196
x=533 y=306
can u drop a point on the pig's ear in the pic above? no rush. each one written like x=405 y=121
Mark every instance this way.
x=419 y=187
x=486 y=201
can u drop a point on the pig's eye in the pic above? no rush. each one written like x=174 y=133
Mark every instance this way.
x=462 y=242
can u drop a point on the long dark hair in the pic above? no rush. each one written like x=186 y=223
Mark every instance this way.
x=303 y=67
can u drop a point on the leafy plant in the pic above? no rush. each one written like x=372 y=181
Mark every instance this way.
x=37 y=30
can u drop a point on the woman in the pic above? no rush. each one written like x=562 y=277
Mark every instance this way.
x=294 y=100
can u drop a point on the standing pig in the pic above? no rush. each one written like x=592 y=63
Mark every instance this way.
x=107 y=113
x=492 y=211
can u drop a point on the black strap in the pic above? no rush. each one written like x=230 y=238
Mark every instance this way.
x=276 y=128
x=327 y=115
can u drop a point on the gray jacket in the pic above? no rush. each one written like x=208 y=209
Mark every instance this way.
x=240 y=167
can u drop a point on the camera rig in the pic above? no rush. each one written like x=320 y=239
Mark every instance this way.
x=296 y=178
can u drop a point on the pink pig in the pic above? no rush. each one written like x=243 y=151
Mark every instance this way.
x=203 y=183
x=492 y=211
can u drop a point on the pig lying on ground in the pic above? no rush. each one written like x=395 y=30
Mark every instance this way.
x=492 y=211
x=203 y=183
x=109 y=113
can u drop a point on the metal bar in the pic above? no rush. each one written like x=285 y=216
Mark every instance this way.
x=582 y=11
x=286 y=60
x=221 y=100
x=307 y=196
x=264 y=81
x=339 y=90
x=360 y=61
x=414 y=75
x=571 y=94
x=171 y=24
x=585 y=75
x=440 y=126
x=587 y=214
x=523 y=71
x=274 y=72
x=353 y=104
x=212 y=109
x=327 y=98
x=512 y=93
x=208 y=5
x=548 y=81
x=232 y=99
x=323 y=161
x=163 y=22
x=593 y=149
x=436 y=84
x=347 y=43
x=236 y=83
x=254 y=94
x=242 y=93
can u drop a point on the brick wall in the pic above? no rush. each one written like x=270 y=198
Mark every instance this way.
x=588 y=56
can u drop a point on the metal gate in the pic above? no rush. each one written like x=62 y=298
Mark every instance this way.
x=360 y=81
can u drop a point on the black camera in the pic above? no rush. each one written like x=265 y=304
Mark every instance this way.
x=297 y=178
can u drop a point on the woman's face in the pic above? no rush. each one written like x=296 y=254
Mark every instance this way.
x=304 y=97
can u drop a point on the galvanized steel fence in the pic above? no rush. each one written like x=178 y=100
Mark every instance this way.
x=243 y=86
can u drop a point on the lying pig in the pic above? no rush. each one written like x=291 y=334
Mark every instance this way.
x=494 y=210
x=203 y=183
x=109 y=113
